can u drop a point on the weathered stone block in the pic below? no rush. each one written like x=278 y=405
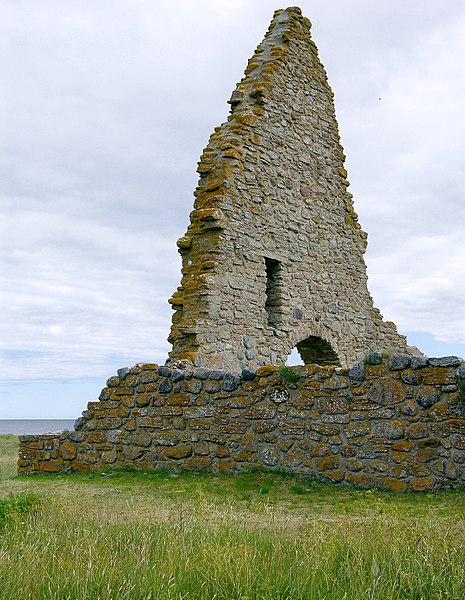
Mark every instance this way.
x=398 y=362
x=132 y=452
x=375 y=371
x=392 y=484
x=269 y=456
x=348 y=451
x=143 y=399
x=265 y=371
x=409 y=408
x=68 y=451
x=335 y=476
x=437 y=376
x=411 y=377
x=352 y=464
x=353 y=430
x=110 y=423
x=357 y=372
x=222 y=451
x=260 y=412
x=445 y=361
x=178 y=452
x=418 y=362
x=386 y=392
x=260 y=427
x=326 y=463
x=149 y=422
x=363 y=480
x=373 y=358
x=422 y=484
x=109 y=457
x=455 y=426
x=320 y=449
x=164 y=438
x=51 y=466
x=426 y=396
x=197 y=463
x=142 y=438
x=337 y=405
x=294 y=458
x=227 y=466
x=403 y=446
x=418 y=430
x=180 y=399
x=324 y=428
x=165 y=386
x=394 y=429
x=230 y=382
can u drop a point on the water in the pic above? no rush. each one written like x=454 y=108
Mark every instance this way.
x=34 y=426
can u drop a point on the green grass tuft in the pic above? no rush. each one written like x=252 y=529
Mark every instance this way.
x=16 y=506
x=287 y=374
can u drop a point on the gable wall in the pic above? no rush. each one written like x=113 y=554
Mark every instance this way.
x=273 y=186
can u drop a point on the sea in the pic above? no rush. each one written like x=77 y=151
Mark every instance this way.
x=34 y=426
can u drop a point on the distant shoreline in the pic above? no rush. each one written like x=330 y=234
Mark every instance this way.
x=34 y=426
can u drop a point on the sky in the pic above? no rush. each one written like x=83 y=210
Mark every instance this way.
x=105 y=108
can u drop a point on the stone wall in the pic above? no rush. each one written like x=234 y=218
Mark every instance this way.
x=396 y=422
x=273 y=256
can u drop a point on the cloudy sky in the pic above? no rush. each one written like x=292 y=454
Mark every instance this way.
x=105 y=108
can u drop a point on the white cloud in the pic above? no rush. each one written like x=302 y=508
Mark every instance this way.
x=105 y=110
x=408 y=190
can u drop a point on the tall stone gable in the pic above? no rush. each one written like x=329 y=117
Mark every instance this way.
x=273 y=256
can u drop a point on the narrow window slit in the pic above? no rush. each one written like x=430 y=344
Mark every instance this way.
x=273 y=303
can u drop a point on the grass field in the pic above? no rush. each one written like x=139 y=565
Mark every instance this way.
x=199 y=536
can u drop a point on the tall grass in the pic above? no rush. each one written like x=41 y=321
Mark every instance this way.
x=195 y=558
x=15 y=506
x=255 y=536
x=9 y=447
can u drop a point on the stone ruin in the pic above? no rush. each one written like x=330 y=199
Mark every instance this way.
x=272 y=260
x=273 y=256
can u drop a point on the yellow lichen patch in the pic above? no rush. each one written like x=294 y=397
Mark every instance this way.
x=184 y=242
x=245 y=118
x=204 y=167
x=351 y=220
x=189 y=356
x=233 y=153
x=207 y=214
x=229 y=142
x=208 y=264
x=176 y=299
x=251 y=66
x=265 y=370
x=278 y=53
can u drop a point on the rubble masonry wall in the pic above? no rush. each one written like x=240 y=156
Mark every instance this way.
x=396 y=422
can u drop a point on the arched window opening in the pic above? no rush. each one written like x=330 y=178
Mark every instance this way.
x=316 y=350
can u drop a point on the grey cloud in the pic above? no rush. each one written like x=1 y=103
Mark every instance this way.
x=105 y=111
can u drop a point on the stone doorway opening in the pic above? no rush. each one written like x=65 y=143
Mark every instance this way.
x=314 y=350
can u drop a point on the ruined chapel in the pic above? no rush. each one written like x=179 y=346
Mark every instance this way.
x=273 y=260
x=273 y=256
